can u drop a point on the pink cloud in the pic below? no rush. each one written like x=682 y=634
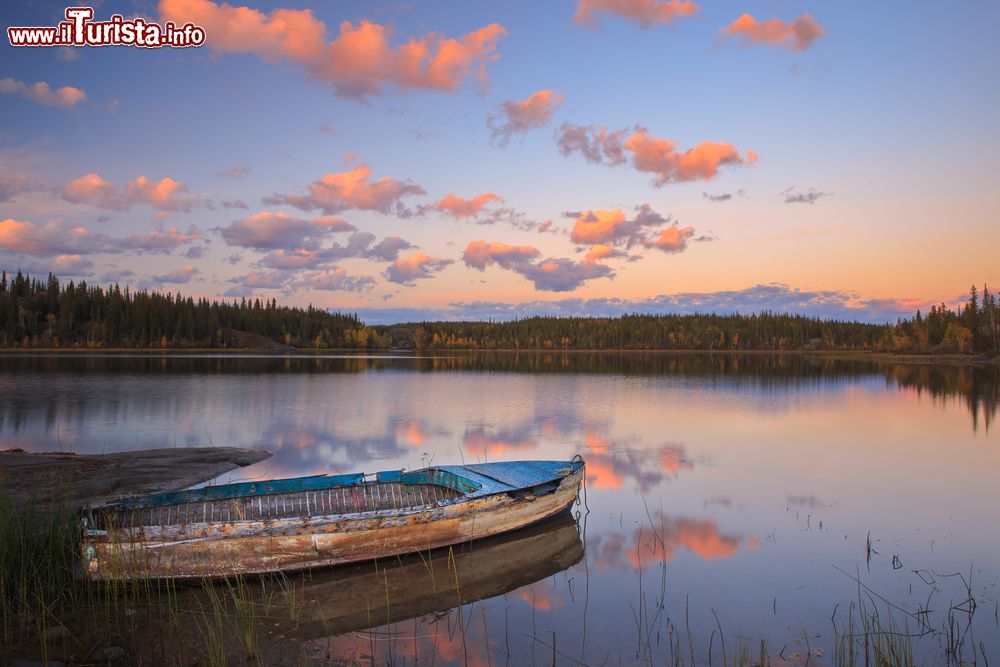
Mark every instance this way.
x=644 y=12
x=337 y=280
x=262 y=279
x=165 y=194
x=66 y=97
x=178 y=276
x=417 y=266
x=353 y=189
x=359 y=244
x=267 y=231
x=52 y=238
x=161 y=240
x=649 y=153
x=798 y=35
x=57 y=238
x=14 y=182
x=553 y=275
x=234 y=172
x=61 y=265
x=70 y=265
x=298 y=258
x=460 y=208
x=91 y=189
x=596 y=144
x=358 y=63
x=519 y=116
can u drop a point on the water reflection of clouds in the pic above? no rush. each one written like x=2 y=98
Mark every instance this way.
x=540 y=595
x=483 y=445
x=436 y=639
x=609 y=467
x=662 y=539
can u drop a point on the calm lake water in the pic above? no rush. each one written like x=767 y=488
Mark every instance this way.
x=748 y=493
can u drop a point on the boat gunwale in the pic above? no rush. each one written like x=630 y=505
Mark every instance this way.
x=452 y=480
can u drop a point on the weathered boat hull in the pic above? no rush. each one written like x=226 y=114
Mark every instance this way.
x=252 y=546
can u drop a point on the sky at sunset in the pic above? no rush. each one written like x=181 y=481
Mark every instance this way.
x=445 y=160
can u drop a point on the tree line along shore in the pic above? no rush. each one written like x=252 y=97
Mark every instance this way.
x=37 y=314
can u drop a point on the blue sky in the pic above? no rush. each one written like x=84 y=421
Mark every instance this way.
x=884 y=121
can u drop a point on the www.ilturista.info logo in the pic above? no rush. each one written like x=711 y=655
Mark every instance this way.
x=79 y=29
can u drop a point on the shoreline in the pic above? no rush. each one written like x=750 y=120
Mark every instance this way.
x=928 y=358
x=54 y=478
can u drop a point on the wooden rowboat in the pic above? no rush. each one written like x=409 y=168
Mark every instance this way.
x=293 y=524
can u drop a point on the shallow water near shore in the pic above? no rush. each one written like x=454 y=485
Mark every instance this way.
x=735 y=497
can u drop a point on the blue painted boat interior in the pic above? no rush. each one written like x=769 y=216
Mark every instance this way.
x=475 y=480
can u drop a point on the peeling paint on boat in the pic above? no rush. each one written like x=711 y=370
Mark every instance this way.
x=150 y=536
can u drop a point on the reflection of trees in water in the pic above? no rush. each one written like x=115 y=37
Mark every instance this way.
x=978 y=386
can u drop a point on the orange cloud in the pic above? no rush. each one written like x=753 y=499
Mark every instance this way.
x=40 y=92
x=659 y=156
x=359 y=62
x=602 y=227
x=797 y=35
x=645 y=12
x=417 y=266
x=597 y=226
x=465 y=208
x=165 y=194
x=599 y=252
x=479 y=254
x=519 y=116
x=91 y=189
x=673 y=239
x=649 y=153
x=353 y=189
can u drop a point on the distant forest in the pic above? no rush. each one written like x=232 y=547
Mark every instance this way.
x=972 y=328
x=48 y=314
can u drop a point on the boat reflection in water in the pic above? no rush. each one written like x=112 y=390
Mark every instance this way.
x=352 y=598
x=348 y=614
